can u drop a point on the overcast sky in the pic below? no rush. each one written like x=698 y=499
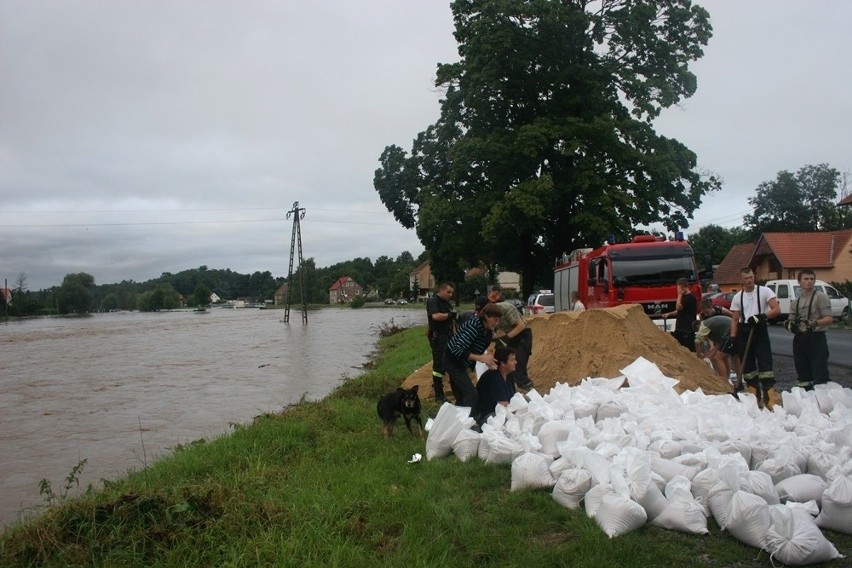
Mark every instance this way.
x=138 y=138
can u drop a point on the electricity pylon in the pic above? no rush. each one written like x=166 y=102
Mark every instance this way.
x=298 y=214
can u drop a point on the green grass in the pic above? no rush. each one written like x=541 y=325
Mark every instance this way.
x=317 y=485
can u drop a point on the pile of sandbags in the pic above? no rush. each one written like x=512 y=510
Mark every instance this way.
x=644 y=453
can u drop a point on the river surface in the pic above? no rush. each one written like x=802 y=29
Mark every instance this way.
x=102 y=387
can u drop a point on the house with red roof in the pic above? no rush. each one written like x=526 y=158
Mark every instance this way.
x=344 y=290
x=778 y=256
x=727 y=274
x=782 y=255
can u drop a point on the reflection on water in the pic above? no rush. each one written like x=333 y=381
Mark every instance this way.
x=97 y=388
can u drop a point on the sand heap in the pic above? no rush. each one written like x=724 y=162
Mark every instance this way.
x=571 y=346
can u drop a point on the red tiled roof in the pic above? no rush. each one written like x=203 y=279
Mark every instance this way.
x=728 y=271
x=846 y=200
x=338 y=283
x=805 y=250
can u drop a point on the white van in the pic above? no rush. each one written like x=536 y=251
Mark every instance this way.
x=788 y=290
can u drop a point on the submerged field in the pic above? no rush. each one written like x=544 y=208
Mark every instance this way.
x=317 y=485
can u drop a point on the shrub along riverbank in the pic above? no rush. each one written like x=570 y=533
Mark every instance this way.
x=317 y=485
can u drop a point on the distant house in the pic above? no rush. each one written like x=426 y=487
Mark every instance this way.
x=422 y=281
x=6 y=296
x=214 y=298
x=846 y=200
x=727 y=274
x=781 y=255
x=344 y=290
x=280 y=295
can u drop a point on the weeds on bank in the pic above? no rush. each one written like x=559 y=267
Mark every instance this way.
x=317 y=485
x=72 y=480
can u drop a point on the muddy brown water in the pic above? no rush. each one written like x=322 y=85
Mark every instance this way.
x=99 y=388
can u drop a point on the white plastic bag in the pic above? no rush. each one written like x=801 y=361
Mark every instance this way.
x=748 y=518
x=446 y=427
x=836 y=514
x=466 y=444
x=571 y=486
x=794 y=539
x=618 y=514
x=801 y=488
x=531 y=470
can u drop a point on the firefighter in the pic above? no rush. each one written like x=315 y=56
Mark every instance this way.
x=750 y=311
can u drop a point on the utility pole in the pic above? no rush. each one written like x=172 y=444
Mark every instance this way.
x=298 y=213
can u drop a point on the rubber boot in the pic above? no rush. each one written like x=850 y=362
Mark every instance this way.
x=755 y=390
x=769 y=398
x=438 y=385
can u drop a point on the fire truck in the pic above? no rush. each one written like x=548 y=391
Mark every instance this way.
x=643 y=271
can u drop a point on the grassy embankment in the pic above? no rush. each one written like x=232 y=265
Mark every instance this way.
x=316 y=485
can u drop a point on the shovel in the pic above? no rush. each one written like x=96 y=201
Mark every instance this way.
x=739 y=384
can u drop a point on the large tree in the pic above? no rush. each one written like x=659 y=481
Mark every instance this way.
x=802 y=202
x=713 y=243
x=545 y=141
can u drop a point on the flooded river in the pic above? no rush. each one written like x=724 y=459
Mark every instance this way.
x=97 y=388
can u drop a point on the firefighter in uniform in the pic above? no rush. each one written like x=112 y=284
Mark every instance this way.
x=750 y=310
x=442 y=317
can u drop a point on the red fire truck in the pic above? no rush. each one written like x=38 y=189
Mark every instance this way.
x=643 y=271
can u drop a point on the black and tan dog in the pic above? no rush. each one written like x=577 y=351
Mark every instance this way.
x=401 y=402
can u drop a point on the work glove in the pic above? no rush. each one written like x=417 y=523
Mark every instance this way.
x=729 y=346
x=790 y=325
x=755 y=319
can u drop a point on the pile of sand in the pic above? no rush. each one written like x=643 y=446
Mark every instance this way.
x=571 y=346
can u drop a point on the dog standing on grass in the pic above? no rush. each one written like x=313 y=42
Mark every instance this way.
x=401 y=402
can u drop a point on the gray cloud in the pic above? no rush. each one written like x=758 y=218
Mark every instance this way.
x=143 y=137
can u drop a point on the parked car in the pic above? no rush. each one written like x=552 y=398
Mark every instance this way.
x=540 y=302
x=710 y=295
x=723 y=300
x=788 y=290
x=402 y=302
x=389 y=301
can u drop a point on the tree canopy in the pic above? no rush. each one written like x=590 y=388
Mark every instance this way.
x=802 y=202
x=545 y=141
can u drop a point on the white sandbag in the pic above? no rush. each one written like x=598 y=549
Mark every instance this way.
x=446 y=427
x=682 y=512
x=748 y=518
x=610 y=409
x=820 y=462
x=779 y=468
x=637 y=467
x=531 y=470
x=466 y=444
x=552 y=433
x=593 y=498
x=701 y=485
x=683 y=516
x=670 y=468
x=761 y=484
x=618 y=514
x=502 y=450
x=650 y=498
x=795 y=539
x=836 y=514
x=801 y=488
x=720 y=495
x=571 y=486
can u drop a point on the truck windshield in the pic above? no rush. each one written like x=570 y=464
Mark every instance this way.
x=652 y=271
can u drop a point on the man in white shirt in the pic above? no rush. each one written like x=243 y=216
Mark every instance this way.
x=750 y=310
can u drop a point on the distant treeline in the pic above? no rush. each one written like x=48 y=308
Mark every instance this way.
x=79 y=293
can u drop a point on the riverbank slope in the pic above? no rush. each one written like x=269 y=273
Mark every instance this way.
x=317 y=485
